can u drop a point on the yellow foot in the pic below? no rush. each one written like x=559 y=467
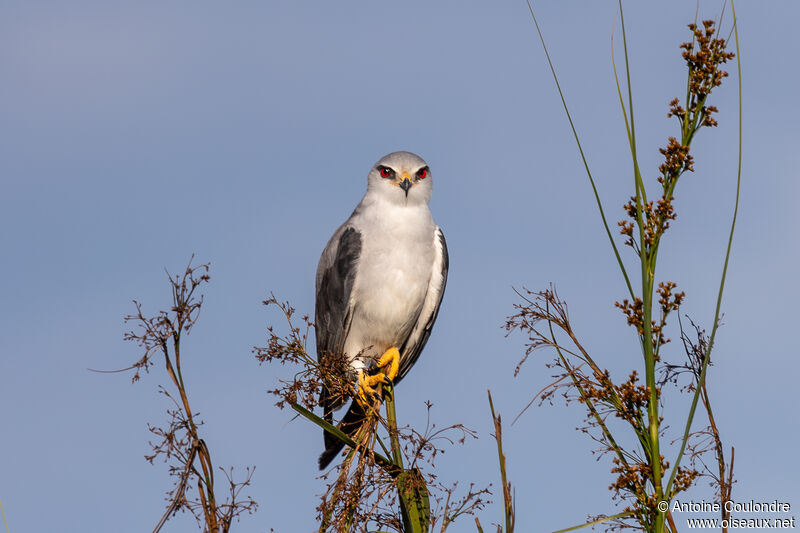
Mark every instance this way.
x=392 y=355
x=366 y=384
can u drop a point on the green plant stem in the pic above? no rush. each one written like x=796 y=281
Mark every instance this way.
x=648 y=280
x=632 y=132
x=391 y=420
x=508 y=504
x=411 y=487
x=702 y=378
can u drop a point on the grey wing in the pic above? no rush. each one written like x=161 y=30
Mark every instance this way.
x=335 y=276
x=412 y=347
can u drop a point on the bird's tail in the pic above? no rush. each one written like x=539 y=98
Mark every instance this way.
x=349 y=425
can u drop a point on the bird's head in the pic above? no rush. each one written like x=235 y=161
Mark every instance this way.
x=402 y=178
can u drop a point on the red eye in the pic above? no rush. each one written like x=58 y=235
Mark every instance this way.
x=386 y=172
x=422 y=173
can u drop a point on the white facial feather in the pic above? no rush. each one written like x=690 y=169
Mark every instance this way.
x=388 y=189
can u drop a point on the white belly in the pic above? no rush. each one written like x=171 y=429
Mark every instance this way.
x=392 y=282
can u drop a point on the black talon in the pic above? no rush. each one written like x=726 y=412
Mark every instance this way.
x=387 y=381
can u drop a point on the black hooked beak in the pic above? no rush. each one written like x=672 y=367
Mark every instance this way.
x=405 y=185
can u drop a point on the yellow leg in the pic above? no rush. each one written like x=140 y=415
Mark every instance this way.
x=392 y=355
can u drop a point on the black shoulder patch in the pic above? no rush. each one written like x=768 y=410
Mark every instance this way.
x=446 y=258
x=333 y=295
x=347 y=256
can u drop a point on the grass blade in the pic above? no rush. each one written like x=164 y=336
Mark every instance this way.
x=339 y=434
x=595 y=522
x=583 y=157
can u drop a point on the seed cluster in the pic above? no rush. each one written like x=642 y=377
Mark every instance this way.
x=703 y=56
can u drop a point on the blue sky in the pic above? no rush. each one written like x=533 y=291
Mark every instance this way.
x=136 y=134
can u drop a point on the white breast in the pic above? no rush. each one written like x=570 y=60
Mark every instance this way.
x=393 y=275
